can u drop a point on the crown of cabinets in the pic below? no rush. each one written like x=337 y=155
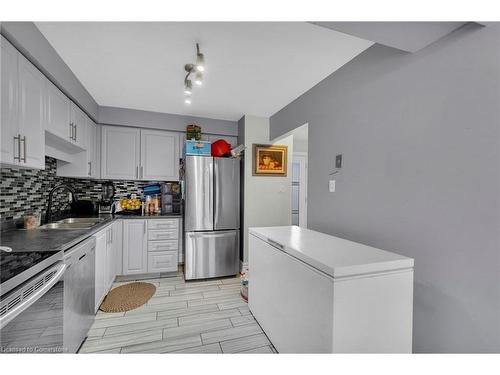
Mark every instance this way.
x=22 y=114
x=139 y=154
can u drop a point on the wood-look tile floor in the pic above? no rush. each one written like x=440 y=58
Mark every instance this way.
x=182 y=317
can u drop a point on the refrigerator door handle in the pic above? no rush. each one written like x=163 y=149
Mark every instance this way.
x=210 y=201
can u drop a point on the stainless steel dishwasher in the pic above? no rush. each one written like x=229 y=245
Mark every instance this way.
x=79 y=285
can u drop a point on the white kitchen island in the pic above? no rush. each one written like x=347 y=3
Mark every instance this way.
x=316 y=293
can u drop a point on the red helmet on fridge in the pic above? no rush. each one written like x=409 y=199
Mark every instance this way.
x=220 y=148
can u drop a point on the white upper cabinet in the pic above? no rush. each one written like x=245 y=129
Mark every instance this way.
x=139 y=154
x=159 y=155
x=92 y=150
x=31 y=114
x=9 y=108
x=22 y=110
x=57 y=113
x=79 y=124
x=84 y=164
x=120 y=152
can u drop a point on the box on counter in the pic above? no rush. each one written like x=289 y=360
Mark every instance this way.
x=193 y=147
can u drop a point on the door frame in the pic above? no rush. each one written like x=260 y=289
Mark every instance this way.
x=301 y=157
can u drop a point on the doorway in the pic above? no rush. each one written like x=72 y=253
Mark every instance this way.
x=299 y=176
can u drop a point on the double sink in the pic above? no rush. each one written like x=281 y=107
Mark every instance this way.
x=74 y=223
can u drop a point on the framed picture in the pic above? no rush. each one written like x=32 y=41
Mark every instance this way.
x=270 y=160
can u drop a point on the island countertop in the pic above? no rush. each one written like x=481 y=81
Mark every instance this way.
x=332 y=255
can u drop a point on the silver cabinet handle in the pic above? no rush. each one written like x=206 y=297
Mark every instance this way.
x=76 y=128
x=71 y=130
x=18 y=139
x=137 y=172
x=90 y=168
x=24 y=149
x=142 y=171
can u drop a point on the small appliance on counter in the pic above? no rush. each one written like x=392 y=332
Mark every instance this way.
x=106 y=204
x=171 y=198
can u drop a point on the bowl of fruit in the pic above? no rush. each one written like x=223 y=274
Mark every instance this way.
x=130 y=206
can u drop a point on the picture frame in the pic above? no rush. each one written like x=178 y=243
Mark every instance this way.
x=270 y=160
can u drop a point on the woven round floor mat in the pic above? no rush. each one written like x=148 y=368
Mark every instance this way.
x=127 y=297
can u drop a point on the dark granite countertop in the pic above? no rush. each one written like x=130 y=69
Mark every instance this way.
x=21 y=240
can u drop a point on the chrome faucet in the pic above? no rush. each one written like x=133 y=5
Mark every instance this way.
x=6 y=249
x=48 y=213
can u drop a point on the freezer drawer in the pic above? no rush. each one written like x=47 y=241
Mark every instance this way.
x=211 y=254
x=226 y=193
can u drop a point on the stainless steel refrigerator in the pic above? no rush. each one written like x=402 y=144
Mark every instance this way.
x=211 y=217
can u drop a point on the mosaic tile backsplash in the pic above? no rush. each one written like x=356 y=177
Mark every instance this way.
x=25 y=191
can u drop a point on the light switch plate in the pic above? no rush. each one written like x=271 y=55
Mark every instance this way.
x=338 y=161
x=331 y=186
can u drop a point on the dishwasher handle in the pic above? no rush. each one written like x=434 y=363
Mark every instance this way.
x=28 y=301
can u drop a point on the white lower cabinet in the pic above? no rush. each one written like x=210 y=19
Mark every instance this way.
x=100 y=266
x=150 y=246
x=108 y=259
x=135 y=249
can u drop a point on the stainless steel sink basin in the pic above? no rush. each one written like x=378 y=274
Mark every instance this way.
x=74 y=223
x=83 y=220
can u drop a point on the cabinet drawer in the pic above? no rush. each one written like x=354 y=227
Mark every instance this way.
x=167 y=234
x=162 y=261
x=172 y=245
x=163 y=224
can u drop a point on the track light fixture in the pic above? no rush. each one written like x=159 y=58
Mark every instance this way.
x=198 y=69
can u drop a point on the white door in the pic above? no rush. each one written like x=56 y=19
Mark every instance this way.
x=57 y=112
x=134 y=247
x=79 y=121
x=120 y=153
x=100 y=266
x=159 y=155
x=9 y=103
x=31 y=115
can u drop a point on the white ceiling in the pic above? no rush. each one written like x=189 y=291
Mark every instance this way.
x=252 y=67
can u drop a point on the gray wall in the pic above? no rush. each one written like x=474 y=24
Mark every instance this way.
x=421 y=173
x=267 y=200
x=168 y=121
x=26 y=37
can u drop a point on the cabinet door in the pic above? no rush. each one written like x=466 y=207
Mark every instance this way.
x=31 y=115
x=100 y=266
x=91 y=149
x=118 y=247
x=120 y=153
x=159 y=155
x=79 y=121
x=9 y=103
x=57 y=114
x=134 y=247
x=110 y=258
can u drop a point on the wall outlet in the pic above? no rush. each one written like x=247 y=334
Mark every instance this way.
x=331 y=186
